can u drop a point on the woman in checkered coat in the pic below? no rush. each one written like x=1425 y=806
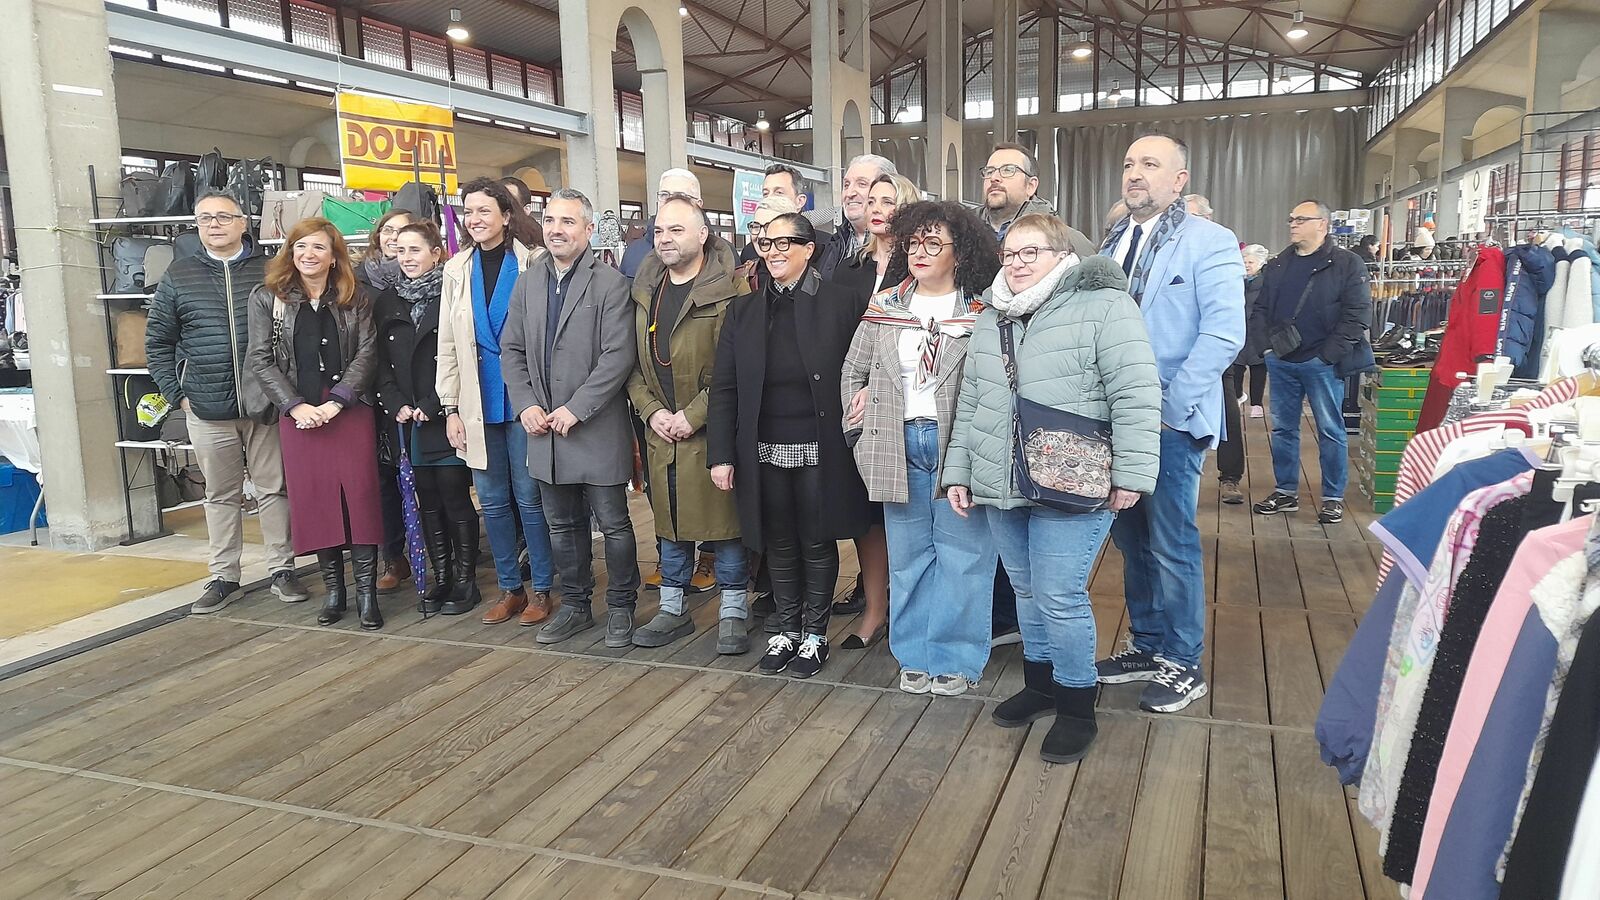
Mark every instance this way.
x=901 y=379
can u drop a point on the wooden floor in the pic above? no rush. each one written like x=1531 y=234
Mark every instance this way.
x=253 y=754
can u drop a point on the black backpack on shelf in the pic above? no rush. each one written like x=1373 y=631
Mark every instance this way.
x=177 y=191
x=140 y=194
x=419 y=199
x=212 y=173
x=247 y=182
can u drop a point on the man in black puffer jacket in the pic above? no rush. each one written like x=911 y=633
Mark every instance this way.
x=195 y=342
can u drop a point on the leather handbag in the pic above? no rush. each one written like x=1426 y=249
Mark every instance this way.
x=1284 y=338
x=282 y=210
x=1060 y=459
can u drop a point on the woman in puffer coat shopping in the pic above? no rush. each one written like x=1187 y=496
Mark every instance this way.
x=1080 y=346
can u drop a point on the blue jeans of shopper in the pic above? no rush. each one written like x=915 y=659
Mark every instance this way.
x=507 y=480
x=1316 y=381
x=732 y=569
x=941 y=571
x=1163 y=577
x=1049 y=554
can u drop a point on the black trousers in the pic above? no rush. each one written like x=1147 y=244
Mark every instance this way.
x=1230 y=452
x=803 y=566
x=446 y=491
x=567 y=509
x=1258 y=384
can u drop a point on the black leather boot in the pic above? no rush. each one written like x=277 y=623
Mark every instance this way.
x=436 y=539
x=1035 y=701
x=331 y=563
x=364 y=565
x=464 y=592
x=1074 y=728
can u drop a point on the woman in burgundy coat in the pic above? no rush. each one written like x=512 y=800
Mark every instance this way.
x=313 y=351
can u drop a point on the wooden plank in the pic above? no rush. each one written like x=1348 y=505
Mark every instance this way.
x=861 y=860
x=1358 y=572
x=185 y=869
x=84 y=855
x=1331 y=635
x=413 y=864
x=1294 y=687
x=1277 y=575
x=802 y=840
x=935 y=859
x=558 y=879
x=1319 y=853
x=78 y=673
x=477 y=873
x=1092 y=842
x=108 y=867
x=1239 y=674
x=1319 y=577
x=61 y=810
x=1236 y=571
x=265 y=865
x=598 y=828
x=333 y=873
x=734 y=836
x=1169 y=814
x=1378 y=885
x=1015 y=850
x=1242 y=858
x=664 y=836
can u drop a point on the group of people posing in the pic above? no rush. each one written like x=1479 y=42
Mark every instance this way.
x=856 y=384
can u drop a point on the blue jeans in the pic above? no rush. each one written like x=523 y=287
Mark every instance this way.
x=1316 y=381
x=941 y=571
x=677 y=567
x=1049 y=554
x=1163 y=577
x=506 y=478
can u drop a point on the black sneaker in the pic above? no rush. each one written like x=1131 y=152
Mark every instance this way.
x=1331 y=513
x=1277 y=502
x=1173 y=688
x=217 y=594
x=780 y=652
x=1127 y=664
x=808 y=660
x=1002 y=638
x=856 y=602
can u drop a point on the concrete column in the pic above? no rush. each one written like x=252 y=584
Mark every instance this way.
x=55 y=88
x=841 y=89
x=945 y=99
x=1408 y=143
x=1462 y=109
x=1004 y=69
x=588 y=38
x=1561 y=41
x=1050 y=186
x=1379 y=168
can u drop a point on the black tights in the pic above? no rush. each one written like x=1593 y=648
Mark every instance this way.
x=446 y=490
x=802 y=564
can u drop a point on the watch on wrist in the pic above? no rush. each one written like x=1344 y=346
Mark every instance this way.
x=450 y=411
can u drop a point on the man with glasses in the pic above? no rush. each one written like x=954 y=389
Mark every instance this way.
x=1312 y=313
x=1011 y=191
x=195 y=342
x=671 y=182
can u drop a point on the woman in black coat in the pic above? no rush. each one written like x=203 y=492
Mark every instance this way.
x=407 y=320
x=776 y=436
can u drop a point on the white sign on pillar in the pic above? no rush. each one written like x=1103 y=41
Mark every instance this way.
x=1473 y=202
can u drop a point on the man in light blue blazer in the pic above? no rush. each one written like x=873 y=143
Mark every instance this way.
x=1188 y=277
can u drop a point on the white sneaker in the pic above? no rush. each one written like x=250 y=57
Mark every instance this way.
x=950 y=685
x=1257 y=412
x=914 y=682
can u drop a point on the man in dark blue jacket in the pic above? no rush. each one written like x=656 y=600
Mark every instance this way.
x=195 y=342
x=1312 y=314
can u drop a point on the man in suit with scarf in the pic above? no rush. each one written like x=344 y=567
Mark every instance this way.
x=1187 y=275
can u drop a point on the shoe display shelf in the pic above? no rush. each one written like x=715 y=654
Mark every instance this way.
x=1391 y=403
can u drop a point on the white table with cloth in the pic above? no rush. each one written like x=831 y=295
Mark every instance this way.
x=19 y=439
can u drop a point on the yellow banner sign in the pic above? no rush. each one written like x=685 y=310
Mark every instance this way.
x=385 y=144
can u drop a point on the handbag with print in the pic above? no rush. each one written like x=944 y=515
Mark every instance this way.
x=1060 y=459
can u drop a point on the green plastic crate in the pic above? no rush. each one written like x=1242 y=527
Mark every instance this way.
x=1417 y=378
x=1383 y=503
x=1387 y=441
x=1390 y=419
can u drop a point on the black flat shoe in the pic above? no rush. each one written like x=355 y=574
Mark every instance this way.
x=855 y=603
x=854 y=641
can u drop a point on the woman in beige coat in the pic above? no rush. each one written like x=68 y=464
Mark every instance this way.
x=481 y=424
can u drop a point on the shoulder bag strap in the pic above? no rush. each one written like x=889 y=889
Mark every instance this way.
x=1008 y=355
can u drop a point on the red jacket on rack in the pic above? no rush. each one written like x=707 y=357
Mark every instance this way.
x=1470 y=332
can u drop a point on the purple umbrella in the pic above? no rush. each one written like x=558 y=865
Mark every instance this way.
x=413 y=519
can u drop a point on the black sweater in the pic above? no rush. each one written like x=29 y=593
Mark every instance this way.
x=788 y=413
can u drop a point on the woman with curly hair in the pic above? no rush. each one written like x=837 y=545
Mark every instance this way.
x=901 y=379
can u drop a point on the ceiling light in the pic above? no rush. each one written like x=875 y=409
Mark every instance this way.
x=457 y=31
x=1116 y=92
x=761 y=121
x=916 y=137
x=683 y=10
x=1084 y=49
x=1298 y=29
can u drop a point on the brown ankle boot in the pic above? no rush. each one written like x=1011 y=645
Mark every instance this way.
x=508 y=606
x=390 y=576
x=538 y=609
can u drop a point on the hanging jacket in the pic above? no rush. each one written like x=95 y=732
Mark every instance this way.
x=1470 y=334
x=1583 y=277
x=1531 y=277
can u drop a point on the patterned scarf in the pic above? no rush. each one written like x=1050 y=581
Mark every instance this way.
x=382 y=273
x=1163 y=227
x=893 y=308
x=1018 y=305
x=421 y=291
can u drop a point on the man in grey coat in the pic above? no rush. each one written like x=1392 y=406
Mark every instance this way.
x=567 y=351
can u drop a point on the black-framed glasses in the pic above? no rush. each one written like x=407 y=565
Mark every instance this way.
x=1301 y=220
x=1028 y=255
x=929 y=245
x=756 y=228
x=782 y=244
x=1009 y=170
x=217 y=218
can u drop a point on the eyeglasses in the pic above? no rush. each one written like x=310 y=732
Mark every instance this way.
x=217 y=218
x=664 y=196
x=1027 y=255
x=756 y=228
x=1301 y=220
x=389 y=231
x=1008 y=170
x=782 y=244
x=931 y=246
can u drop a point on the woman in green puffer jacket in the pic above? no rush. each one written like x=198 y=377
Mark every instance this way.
x=1081 y=347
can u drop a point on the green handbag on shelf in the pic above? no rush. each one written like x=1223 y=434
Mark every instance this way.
x=353 y=217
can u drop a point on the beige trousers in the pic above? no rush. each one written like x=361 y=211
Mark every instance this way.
x=226 y=450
